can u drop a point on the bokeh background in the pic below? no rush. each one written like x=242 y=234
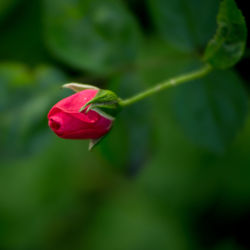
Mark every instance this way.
x=174 y=172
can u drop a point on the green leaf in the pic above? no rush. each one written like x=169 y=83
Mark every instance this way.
x=6 y=6
x=185 y=24
x=177 y=166
x=228 y=44
x=96 y=35
x=22 y=34
x=25 y=98
x=212 y=110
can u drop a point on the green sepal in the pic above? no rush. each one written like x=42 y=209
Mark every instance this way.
x=77 y=87
x=94 y=142
x=106 y=103
x=104 y=96
x=228 y=44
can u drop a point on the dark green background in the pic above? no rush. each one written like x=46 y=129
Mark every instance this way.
x=174 y=172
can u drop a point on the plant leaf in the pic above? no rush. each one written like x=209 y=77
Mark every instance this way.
x=185 y=24
x=211 y=110
x=6 y=6
x=228 y=44
x=95 y=35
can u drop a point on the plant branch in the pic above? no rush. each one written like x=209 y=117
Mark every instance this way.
x=166 y=84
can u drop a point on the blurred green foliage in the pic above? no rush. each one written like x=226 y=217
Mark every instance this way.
x=174 y=172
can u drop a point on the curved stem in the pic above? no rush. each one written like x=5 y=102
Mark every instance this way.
x=166 y=84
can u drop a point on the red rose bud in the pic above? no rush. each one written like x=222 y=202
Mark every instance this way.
x=66 y=120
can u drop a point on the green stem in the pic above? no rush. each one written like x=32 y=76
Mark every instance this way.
x=166 y=84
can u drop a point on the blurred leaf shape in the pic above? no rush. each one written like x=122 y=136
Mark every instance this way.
x=187 y=24
x=129 y=141
x=5 y=7
x=130 y=213
x=22 y=35
x=228 y=44
x=26 y=96
x=15 y=75
x=179 y=173
x=212 y=110
x=159 y=61
x=95 y=35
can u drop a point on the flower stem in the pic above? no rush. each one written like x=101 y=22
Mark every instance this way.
x=166 y=84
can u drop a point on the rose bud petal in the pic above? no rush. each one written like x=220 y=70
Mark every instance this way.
x=67 y=122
